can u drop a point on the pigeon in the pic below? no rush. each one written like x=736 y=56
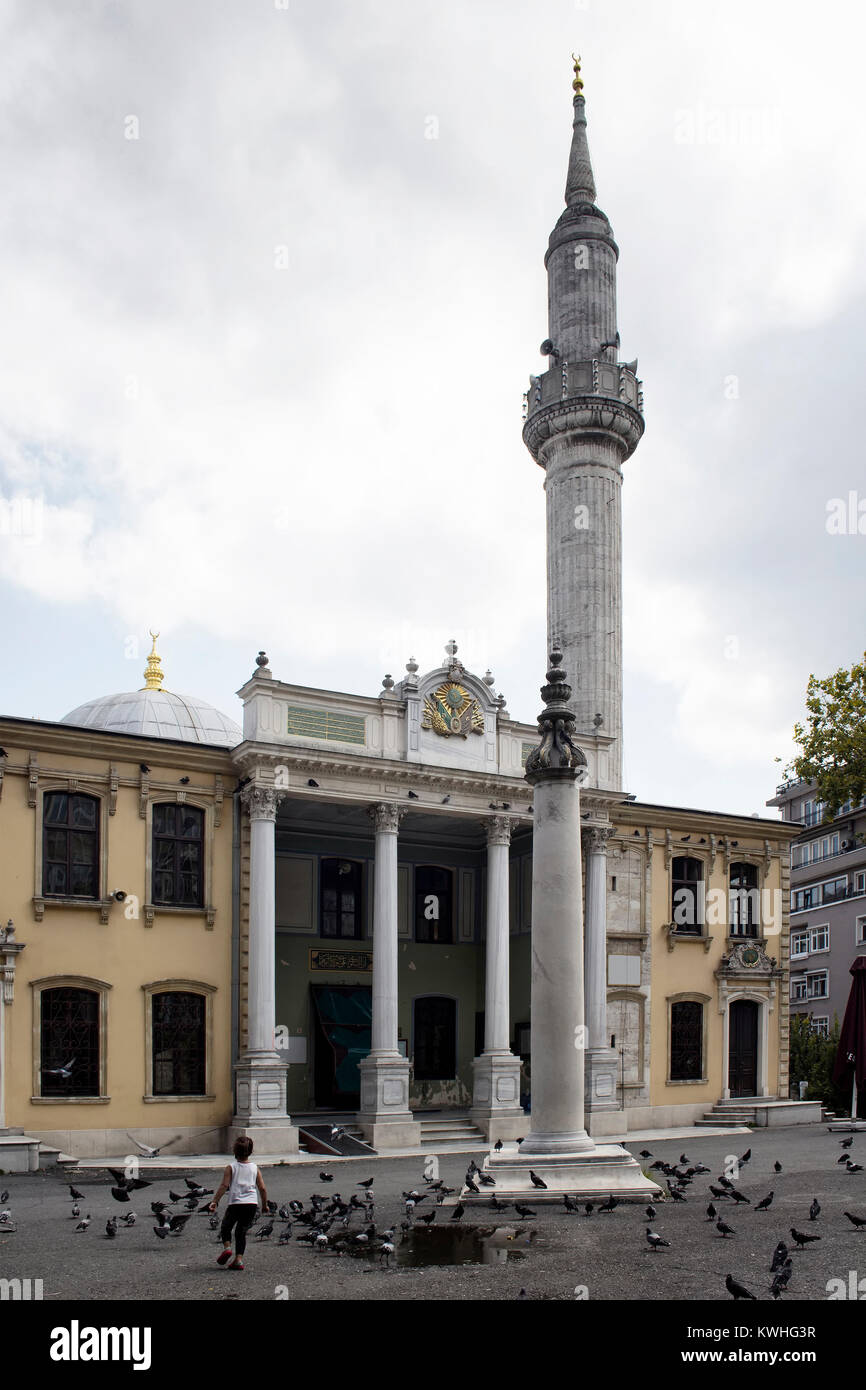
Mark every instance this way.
x=120 y=1194
x=84 y=1222
x=128 y=1218
x=472 y=1184
x=677 y=1195
x=858 y=1222
x=311 y=782
x=843 y=1158
x=503 y=1206
x=497 y=1147
x=147 y=1150
x=737 y=1290
x=589 y=1208
x=161 y=1231
x=4 y=1197
x=486 y=1180
x=537 y=1181
x=609 y=1205
x=780 y=1282
x=413 y=796
x=177 y=1223
x=765 y=1204
x=430 y=1216
x=846 y=1143
x=815 y=1209
x=655 y=1241
x=711 y=1212
x=266 y=1232
x=133 y=1184
x=64 y=1072
x=718 y=1191
x=111 y=1227
x=740 y=1197
x=368 y=1183
x=458 y=1211
x=76 y=1210
x=854 y=1167
x=780 y=1255
x=651 y=1212
x=746 y=1156
x=646 y=1153
x=684 y=1159
x=777 y=1166
x=801 y=1239
x=523 y=1211
x=326 y=1177
x=724 y=1182
x=75 y=1194
x=724 y=1229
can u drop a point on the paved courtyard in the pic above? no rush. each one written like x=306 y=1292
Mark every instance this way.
x=553 y=1256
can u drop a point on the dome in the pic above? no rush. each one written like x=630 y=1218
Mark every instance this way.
x=156 y=713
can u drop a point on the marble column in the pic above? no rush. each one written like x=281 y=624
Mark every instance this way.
x=384 y=1117
x=260 y=1072
x=558 y=1151
x=601 y=1060
x=496 y=1073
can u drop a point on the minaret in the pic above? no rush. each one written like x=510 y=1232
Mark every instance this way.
x=583 y=418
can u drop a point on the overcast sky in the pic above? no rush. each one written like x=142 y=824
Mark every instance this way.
x=271 y=287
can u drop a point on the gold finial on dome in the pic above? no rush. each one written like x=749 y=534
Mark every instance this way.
x=154 y=674
x=577 y=84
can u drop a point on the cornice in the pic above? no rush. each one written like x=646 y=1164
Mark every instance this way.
x=29 y=734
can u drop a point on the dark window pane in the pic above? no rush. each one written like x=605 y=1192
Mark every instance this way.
x=56 y=808
x=69 y=1042
x=433 y=904
x=686 y=1041
x=340 y=911
x=435 y=1042
x=178 y=877
x=329 y=924
x=84 y=812
x=55 y=844
x=55 y=878
x=82 y=881
x=178 y=1021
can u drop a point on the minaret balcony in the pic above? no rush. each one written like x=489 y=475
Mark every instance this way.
x=592 y=395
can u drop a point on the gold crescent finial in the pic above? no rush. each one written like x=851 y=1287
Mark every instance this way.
x=153 y=674
x=577 y=84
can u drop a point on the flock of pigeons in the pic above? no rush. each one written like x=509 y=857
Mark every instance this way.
x=679 y=1178
x=330 y=1224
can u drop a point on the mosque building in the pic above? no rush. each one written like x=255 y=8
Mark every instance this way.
x=327 y=912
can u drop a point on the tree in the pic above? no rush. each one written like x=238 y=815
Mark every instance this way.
x=812 y=1058
x=833 y=738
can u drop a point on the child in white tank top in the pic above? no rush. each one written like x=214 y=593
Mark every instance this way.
x=242 y=1181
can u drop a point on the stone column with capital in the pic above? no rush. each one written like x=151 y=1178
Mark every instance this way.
x=496 y=1073
x=604 y=1114
x=558 y=1150
x=384 y=1117
x=260 y=1072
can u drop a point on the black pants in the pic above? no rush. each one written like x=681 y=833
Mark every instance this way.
x=241 y=1216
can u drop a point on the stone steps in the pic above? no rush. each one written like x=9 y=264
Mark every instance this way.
x=453 y=1131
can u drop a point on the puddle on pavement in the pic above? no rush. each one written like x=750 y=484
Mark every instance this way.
x=465 y=1245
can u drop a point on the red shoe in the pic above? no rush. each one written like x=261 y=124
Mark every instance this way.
x=226 y=1255
x=236 y=1263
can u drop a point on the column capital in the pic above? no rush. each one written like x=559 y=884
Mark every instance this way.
x=386 y=816
x=596 y=838
x=260 y=801
x=498 y=830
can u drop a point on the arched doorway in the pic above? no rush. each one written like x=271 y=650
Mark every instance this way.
x=743 y=1047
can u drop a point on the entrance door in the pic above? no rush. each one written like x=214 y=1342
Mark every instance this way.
x=743 y=1048
x=343 y=1018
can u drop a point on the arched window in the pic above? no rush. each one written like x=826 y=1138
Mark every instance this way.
x=70 y=845
x=687 y=1040
x=744 y=899
x=178 y=855
x=434 y=893
x=340 y=900
x=435 y=1039
x=178 y=1043
x=686 y=896
x=69 y=1051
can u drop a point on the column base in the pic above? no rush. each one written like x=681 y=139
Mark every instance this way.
x=496 y=1096
x=603 y=1111
x=260 y=1105
x=603 y=1171
x=385 y=1119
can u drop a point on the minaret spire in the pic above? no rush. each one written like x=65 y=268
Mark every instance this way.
x=580 y=184
x=153 y=675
